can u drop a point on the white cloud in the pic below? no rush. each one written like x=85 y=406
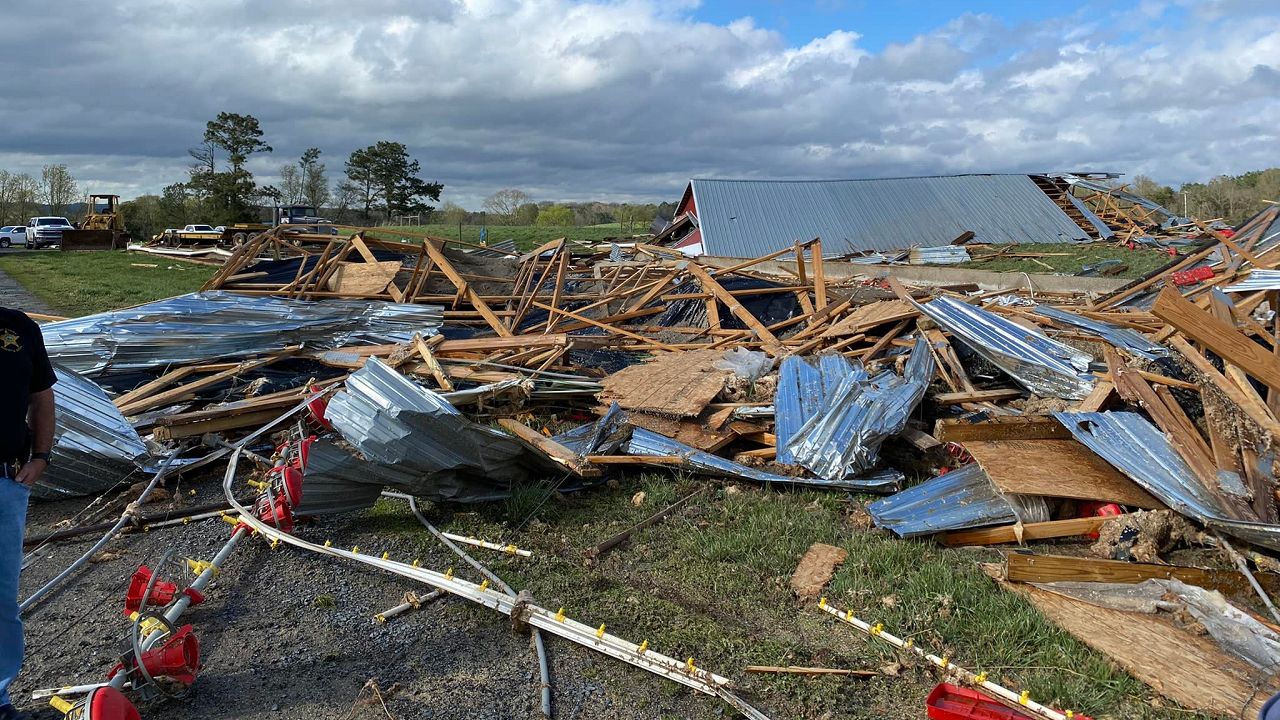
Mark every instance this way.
x=628 y=98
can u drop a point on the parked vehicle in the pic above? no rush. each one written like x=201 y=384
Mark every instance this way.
x=11 y=235
x=46 y=231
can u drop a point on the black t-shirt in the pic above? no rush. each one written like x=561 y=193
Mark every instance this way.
x=24 y=369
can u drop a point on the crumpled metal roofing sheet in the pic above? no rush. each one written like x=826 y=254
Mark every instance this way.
x=439 y=453
x=1121 y=337
x=1038 y=363
x=206 y=325
x=1257 y=280
x=803 y=390
x=1139 y=450
x=749 y=218
x=605 y=436
x=647 y=442
x=843 y=437
x=94 y=446
x=962 y=498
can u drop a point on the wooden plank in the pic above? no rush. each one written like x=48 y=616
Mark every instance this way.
x=1028 y=567
x=956 y=398
x=1021 y=533
x=1187 y=668
x=437 y=372
x=552 y=450
x=144 y=390
x=235 y=421
x=770 y=342
x=675 y=385
x=1223 y=339
x=1035 y=427
x=1098 y=398
x=437 y=256
x=819 y=276
x=369 y=257
x=608 y=328
x=173 y=394
x=1056 y=468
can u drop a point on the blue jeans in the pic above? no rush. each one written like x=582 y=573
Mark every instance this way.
x=13 y=520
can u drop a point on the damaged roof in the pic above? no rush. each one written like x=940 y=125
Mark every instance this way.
x=748 y=218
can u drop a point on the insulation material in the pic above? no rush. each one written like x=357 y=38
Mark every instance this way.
x=676 y=384
x=816 y=569
x=94 y=446
x=1041 y=365
x=960 y=499
x=843 y=438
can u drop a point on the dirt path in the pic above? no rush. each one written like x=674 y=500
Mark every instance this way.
x=13 y=295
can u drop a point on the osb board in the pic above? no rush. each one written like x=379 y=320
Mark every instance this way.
x=1056 y=468
x=690 y=432
x=363 y=278
x=1189 y=669
x=815 y=570
x=868 y=316
x=677 y=384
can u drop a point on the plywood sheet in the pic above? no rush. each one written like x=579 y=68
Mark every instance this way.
x=1056 y=468
x=364 y=278
x=678 y=384
x=869 y=316
x=1189 y=669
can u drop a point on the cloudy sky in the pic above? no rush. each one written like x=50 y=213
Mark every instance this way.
x=628 y=99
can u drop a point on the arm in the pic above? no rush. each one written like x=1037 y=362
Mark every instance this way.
x=40 y=419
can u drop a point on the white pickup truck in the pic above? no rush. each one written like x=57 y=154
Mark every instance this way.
x=46 y=231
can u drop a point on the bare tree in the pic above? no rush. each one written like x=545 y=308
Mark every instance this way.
x=505 y=202
x=290 y=185
x=26 y=196
x=57 y=188
x=315 y=186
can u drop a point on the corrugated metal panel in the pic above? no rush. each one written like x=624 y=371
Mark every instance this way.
x=1121 y=337
x=748 y=218
x=962 y=498
x=941 y=255
x=209 y=325
x=94 y=446
x=415 y=433
x=803 y=389
x=1257 y=280
x=1038 y=363
x=843 y=438
x=1139 y=450
x=647 y=442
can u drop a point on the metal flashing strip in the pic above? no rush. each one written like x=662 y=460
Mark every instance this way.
x=960 y=499
x=1257 y=280
x=1036 y=362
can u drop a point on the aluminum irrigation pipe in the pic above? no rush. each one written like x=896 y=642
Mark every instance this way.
x=556 y=623
x=447 y=541
x=111 y=533
x=1022 y=700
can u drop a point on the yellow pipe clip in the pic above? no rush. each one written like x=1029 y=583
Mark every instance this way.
x=643 y=646
x=560 y=615
x=355 y=549
x=328 y=543
x=600 y=632
x=417 y=563
x=822 y=603
x=1024 y=697
x=61 y=705
x=484 y=585
x=386 y=556
x=688 y=666
x=448 y=574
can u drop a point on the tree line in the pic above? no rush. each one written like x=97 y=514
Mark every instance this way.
x=512 y=206
x=1231 y=198
x=22 y=195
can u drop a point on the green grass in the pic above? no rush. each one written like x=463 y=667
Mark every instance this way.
x=1140 y=261
x=527 y=237
x=82 y=283
x=711 y=582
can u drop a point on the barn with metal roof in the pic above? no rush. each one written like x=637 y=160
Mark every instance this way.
x=749 y=218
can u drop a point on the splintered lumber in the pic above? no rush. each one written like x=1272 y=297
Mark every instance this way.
x=1056 y=468
x=1187 y=668
x=241 y=418
x=709 y=284
x=1020 y=533
x=552 y=450
x=815 y=570
x=1028 y=568
x=1223 y=339
x=676 y=384
x=594 y=553
x=796 y=670
x=974 y=396
x=866 y=317
x=429 y=359
x=1034 y=427
x=438 y=258
x=177 y=393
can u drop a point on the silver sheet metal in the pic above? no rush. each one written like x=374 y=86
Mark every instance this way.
x=647 y=442
x=960 y=499
x=209 y=325
x=1042 y=365
x=843 y=438
x=805 y=386
x=1139 y=450
x=750 y=218
x=435 y=451
x=941 y=255
x=602 y=437
x=1257 y=280
x=1120 y=337
x=94 y=446
x=337 y=481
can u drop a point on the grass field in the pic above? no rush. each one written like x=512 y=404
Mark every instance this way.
x=1069 y=259
x=526 y=236
x=82 y=283
x=711 y=582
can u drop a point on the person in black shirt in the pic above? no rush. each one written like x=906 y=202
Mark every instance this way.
x=26 y=438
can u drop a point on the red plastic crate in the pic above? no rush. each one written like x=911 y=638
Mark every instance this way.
x=1193 y=276
x=949 y=702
